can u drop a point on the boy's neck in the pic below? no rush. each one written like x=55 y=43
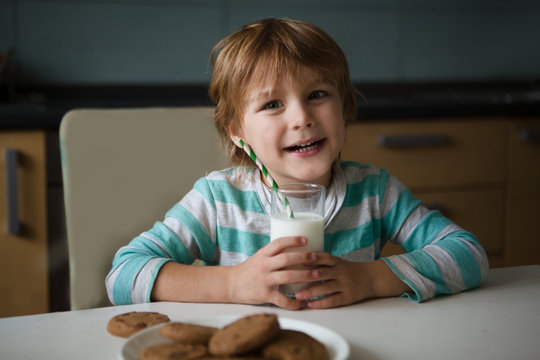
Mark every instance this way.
x=326 y=185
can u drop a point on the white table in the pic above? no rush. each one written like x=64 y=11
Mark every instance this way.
x=500 y=320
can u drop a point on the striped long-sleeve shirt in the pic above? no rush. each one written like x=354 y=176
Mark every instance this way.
x=225 y=219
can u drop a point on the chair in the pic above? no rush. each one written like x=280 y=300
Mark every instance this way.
x=122 y=170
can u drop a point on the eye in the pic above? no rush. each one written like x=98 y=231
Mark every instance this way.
x=274 y=104
x=317 y=94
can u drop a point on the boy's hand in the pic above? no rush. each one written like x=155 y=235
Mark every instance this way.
x=257 y=280
x=346 y=282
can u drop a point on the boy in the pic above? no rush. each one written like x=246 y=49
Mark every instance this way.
x=283 y=87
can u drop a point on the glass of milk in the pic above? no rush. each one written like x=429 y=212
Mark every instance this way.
x=307 y=205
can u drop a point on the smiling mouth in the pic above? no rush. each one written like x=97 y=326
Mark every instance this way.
x=305 y=147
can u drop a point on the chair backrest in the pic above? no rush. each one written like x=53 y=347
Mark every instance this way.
x=122 y=170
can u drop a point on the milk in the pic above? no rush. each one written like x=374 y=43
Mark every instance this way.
x=304 y=224
x=308 y=225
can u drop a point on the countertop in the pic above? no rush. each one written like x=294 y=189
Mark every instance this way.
x=499 y=320
x=43 y=107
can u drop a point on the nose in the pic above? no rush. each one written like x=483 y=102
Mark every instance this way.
x=300 y=117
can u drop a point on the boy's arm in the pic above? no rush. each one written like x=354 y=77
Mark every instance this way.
x=254 y=281
x=212 y=284
x=189 y=283
x=440 y=258
x=384 y=282
x=135 y=266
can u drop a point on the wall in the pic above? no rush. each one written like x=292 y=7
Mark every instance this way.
x=168 y=41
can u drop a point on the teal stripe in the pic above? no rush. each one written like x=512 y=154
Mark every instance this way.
x=400 y=210
x=203 y=188
x=469 y=267
x=168 y=240
x=223 y=191
x=416 y=295
x=153 y=279
x=358 y=165
x=357 y=192
x=234 y=240
x=383 y=181
x=425 y=265
x=126 y=276
x=358 y=238
x=426 y=230
x=206 y=247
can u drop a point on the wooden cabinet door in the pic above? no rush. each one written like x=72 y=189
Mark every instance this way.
x=23 y=254
x=523 y=240
x=436 y=154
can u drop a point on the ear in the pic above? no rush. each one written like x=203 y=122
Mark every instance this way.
x=236 y=140
x=235 y=136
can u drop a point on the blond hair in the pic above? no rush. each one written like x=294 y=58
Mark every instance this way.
x=264 y=50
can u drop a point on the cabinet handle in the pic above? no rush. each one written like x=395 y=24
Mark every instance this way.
x=13 y=224
x=414 y=140
x=530 y=136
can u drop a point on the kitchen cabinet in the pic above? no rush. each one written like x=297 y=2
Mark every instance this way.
x=523 y=198
x=23 y=227
x=472 y=170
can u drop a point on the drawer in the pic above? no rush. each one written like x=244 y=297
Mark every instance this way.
x=432 y=154
x=480 y=212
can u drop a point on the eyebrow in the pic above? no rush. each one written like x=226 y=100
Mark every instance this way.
x=268 y=91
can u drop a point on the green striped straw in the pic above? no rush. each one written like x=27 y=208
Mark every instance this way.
x=267 y=175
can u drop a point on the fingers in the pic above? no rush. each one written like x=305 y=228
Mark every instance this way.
x=286 y=302
x=324 y=259
x=279 y=245
x=292 y=276
x=330 y=301
x=288 y=259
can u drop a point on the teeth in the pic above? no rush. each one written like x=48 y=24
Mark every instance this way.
x=305 y=147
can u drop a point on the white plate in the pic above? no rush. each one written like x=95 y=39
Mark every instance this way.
x=335 y=343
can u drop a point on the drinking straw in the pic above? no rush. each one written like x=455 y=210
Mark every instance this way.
x=266 y=174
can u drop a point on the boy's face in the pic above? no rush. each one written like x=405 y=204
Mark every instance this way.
x=296 y=128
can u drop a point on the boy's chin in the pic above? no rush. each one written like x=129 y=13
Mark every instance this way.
x=322 y=179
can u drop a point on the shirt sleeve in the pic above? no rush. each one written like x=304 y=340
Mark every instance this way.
x=186 y=233
x=440 y=258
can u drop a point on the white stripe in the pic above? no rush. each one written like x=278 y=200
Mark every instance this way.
x=391 y=194
x=356 y=174
x=111 y=279
x=352 y=217
x=451 y=274
x=360 y=255
x=230 y=215
x=139 y=287
x=424 y=285
x=409 y=225
x=197 y=205
x=450 y=228
x=228 y=258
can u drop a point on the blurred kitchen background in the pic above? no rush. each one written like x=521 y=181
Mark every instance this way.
x=444 y=62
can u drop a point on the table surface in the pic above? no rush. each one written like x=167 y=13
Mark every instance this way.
x=499 y=320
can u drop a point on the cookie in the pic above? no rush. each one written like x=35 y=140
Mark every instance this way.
x=172 y=351
x=225 y=357
x=244 y=335
x=187 y=333
x=127 y=324
x=295 y=345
